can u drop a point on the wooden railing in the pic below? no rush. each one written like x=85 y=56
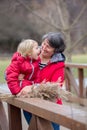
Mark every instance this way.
x=70 y=79
x=74 y=119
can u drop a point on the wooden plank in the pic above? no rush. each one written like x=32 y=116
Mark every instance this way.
x=81 y=86
x=3 y=118
x=65 y=96
x=14 y=115
x=51 y=111
x=67 y=82
x=75 y=65
x=72 y=80
x=72 y=98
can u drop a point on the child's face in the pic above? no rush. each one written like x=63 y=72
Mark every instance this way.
x=35 y=51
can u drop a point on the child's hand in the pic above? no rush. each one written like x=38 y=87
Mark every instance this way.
x=21 y=77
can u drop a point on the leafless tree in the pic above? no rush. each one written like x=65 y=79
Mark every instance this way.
x=42 y=16
x=60 y=21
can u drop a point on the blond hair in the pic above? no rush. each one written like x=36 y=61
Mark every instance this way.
x=25 y=47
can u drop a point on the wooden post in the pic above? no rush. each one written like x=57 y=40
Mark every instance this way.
x=14 y=115
x=71 y=79
x=67 y=81
x=3 y=118
x=81 y=86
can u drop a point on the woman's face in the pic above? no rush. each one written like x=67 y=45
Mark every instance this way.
x=46 y=51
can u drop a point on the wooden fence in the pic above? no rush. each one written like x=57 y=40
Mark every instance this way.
x=72 y=118
x=70 y=79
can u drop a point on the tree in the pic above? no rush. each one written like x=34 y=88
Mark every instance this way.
x=41 y=16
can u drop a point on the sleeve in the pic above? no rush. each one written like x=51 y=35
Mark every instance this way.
x=12 y=73
x=13 y=86
x=58 y=73
x=26 y=82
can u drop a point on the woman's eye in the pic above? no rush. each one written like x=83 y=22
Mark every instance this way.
x=44 y=43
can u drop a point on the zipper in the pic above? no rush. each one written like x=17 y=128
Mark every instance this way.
x=32 y=70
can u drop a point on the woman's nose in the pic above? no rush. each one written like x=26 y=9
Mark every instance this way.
x=44 y=47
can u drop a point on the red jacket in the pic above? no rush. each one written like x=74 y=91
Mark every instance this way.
x=21 y=65
x=53 y=70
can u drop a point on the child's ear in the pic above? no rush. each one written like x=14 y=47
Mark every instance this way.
x=28 y=54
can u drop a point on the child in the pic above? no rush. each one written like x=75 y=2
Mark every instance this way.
x=24 y=61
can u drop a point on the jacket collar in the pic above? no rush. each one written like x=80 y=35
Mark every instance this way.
x=57 y=57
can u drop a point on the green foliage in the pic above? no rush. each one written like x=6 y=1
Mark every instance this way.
x=79 y=59
x=3 y=65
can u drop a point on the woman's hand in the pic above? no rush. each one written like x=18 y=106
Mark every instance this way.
x=59 y=81
x=24 y=91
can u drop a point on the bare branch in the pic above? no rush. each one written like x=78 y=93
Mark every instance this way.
x=76 y=43
x=63 y=14
x=56 y=5
x=78 y=17
x=29 y=9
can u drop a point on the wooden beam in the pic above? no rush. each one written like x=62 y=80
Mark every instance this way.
x=14 y=115
x=3 y=118
x=81 y=86
x=61 y=114
x=76 y=65
x=72 y=80
x=67 y=82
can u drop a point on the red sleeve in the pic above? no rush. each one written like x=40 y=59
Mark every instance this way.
x=14 y=88
x=12 y=81
x=12 y=73
x=26 y=82
x=58 y=73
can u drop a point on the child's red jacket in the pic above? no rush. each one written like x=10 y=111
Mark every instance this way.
x=21 y=65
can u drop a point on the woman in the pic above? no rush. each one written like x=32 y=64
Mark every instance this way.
x=52 y=63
